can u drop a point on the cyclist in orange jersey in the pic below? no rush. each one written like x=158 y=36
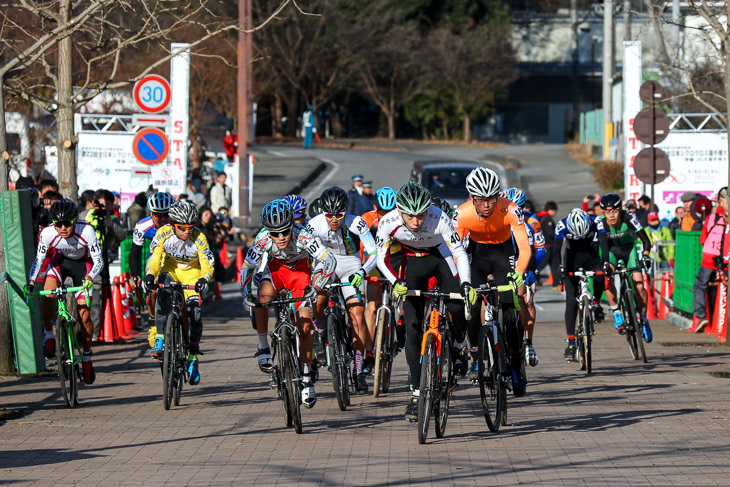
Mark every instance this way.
x=488 y=223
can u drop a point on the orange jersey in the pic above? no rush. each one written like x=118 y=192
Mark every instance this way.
x=506 y=221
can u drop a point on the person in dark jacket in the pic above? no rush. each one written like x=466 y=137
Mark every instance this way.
x=547 y=222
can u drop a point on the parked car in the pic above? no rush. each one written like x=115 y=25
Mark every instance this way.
x=446 y=179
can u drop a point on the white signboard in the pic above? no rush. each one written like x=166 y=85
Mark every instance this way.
x=171 y=175
x=632 y=107
x=105 y=160
x=698 y=163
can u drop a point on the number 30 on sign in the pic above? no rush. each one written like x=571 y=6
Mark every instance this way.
x=152 y=93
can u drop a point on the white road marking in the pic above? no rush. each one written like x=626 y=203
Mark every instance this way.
x=314 y=192
x=276 y=153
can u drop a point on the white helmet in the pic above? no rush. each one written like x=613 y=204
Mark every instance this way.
x=578 y=222
x=482 y=182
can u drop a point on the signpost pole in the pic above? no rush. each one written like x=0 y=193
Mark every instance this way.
x=245 y=23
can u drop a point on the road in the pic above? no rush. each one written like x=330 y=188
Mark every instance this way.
x=663 y=423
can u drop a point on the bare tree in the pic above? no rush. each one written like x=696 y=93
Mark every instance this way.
x=474 y=67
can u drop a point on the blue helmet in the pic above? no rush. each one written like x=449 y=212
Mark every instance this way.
x=516 y=196
x=277 y=216
x=297 y=203
x=385 y=198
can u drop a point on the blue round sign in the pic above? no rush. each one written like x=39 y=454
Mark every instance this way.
x=150 y=146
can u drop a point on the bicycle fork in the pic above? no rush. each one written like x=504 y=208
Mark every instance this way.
x=433 y=329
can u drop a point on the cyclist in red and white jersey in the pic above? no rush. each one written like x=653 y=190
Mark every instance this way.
x=72 y=250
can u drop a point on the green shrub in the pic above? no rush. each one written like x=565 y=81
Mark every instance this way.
x=609 y=175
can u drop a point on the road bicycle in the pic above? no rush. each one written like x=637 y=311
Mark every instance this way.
x=627 y=303
x=386 y=341
x=586 y=328
x=339 y=344
x=68 y=352
x=286 y=377
x=494 y=376
x=174 y=355
x=437 y=363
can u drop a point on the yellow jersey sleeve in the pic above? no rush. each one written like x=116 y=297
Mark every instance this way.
x=205 y=256
x=154 y=263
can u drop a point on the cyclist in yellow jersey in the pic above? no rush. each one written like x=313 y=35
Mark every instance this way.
x=180 y=253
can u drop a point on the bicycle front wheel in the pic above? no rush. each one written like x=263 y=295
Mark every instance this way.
x=637 y=326
x=66 y=368
x=491 y=368
x=168 y=362
x=427 y=386
x=631 y=324
x=586 y=337
x=445 y=386
x=380 y=321
x=337 y=363
x=391 y=348
x=292 y=380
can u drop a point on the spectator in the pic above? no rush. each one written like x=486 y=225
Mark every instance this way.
x=47 y=185
x=645 y=206
x=714 y=246
x=530 y=206
x=211 y=229
x=230 y=145
x=548 y=230
x=195 y=194
x=220 y=194
x=225 y=224
x=137 y=210
x=110 y=234
x=86 y=202
x=49 y=198
x=631 y=206
x=586 y=203
x=597 y=210
x=688 y=221
x=365 y=202
x=356 y=185
x=308 y=127
x=663 y=255
x=117 y=210
x=677 y=222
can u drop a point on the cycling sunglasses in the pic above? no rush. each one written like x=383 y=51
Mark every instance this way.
x=183 y=228
x=64 y=224
x=334 y=216
x=481 y=201
x=160 y=215
x=279 y=234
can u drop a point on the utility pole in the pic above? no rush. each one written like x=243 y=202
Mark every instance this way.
x=607 y=73
x=245 y=23
x=627 y=21
x=574 y=77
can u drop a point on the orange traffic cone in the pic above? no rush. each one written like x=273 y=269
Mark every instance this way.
x=718 y=324
x=132 y=307
x=126 y=321
x=117 y=312
x=109 y=332
x=663 y=308
x=695 y=323
x=223 y=254
x=239 y=263
x=651 y=302
x=549 y=280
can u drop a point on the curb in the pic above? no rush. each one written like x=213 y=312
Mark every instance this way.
x=679 y=320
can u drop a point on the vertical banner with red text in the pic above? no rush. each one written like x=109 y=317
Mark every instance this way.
x=632 y=78
x=171 y=175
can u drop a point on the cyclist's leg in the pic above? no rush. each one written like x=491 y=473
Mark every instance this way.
x=416 y=273
x=642 y=294
x=305 y=326
x=163 y=306
x=611 y=289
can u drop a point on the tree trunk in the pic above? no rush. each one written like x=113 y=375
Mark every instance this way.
x=391 y=124
x=336 y=120
x=445 y=128
x=467 y=127
x=277 y=113
x=6 y=333
x=65 y=113
x=293 y=116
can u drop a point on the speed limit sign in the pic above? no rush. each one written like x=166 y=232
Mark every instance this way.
x=152 y=93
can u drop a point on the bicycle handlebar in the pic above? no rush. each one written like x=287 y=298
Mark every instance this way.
x=282 y=301
x=174 y=285
x=492 y=288
x=59 y=291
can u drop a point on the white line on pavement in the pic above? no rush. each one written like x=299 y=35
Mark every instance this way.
x=312 y=193
x=276 y=153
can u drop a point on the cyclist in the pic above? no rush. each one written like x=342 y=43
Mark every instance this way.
x=384 y=202
x=180 y=253
x=431 y=247
x=314 y=208
x=342 y=233
x=158 y=205
x=579 y=231
x=491 y=223
x=536 y=239
x=73 y=251
x=622 y=229
x=443 y=205
x=298 y=206
x=287 y=246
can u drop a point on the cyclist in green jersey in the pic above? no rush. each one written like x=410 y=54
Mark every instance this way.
x=622 y=229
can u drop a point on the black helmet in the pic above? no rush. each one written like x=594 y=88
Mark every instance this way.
x=334 y=200
x=314 y=208
x=64 y=210
x=610 y=201
x=442 y=204
x=277 y=216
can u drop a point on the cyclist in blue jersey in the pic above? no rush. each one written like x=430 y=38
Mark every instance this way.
x=580 y=231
